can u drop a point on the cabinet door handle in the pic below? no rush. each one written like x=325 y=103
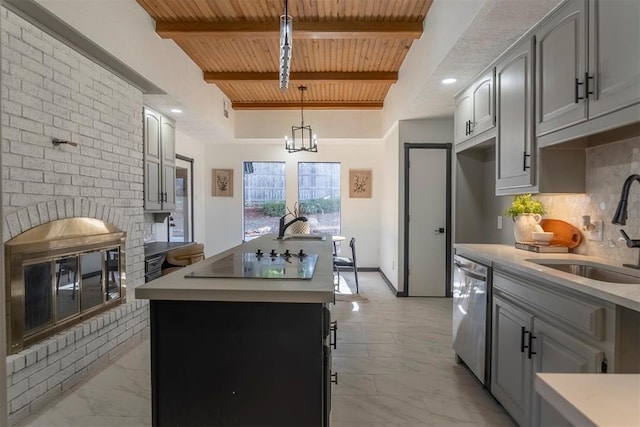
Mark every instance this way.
x=334 y=377
x=523 y=332
x=524 y=161
x=587 y=92
x=471 y=124
x=466 y=127
x=530 y=347
x=577 y=96
x=334 y=330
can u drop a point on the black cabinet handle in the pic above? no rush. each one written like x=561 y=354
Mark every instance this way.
x=334 y=377
x=530 y=347
x=577 y=96
x=587 y=92
x=524 y=161
x=470 y=127
x=466 y=127
x=523 y=332
x=334 y=330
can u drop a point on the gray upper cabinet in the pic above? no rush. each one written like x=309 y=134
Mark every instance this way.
x=515 y=150
x=475 y=109
x=484 y=117
x=561 y=68
x=462 y=116
x=159 y=162
x=614 y=55
x=588 y=62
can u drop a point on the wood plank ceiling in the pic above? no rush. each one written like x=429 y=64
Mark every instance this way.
x=346 y=52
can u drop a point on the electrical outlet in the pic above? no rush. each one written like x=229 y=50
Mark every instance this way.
x=499 y=222
x=595 y=234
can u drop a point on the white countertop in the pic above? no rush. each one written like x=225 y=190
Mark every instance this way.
x=626 y=295
x=175 y=286
x=593 y=399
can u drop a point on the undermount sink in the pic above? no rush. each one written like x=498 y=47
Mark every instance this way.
x=593 y=271
x=304 y=237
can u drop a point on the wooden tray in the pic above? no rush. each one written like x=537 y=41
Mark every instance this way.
x=564 y=234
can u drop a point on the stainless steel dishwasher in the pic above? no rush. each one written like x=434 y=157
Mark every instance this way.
x=472 y=316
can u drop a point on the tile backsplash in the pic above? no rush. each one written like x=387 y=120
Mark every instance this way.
x=607 y=168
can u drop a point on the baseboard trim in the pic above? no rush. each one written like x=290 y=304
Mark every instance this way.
x=390 y=285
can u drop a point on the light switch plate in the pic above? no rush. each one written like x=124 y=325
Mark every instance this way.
x=595 y=234
x=499 y=222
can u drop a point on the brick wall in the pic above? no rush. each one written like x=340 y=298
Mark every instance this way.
x=50 y=91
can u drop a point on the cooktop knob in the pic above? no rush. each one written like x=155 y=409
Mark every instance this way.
x=287 y=254
x=273 y=253
x=301 y=253
x=259 y=253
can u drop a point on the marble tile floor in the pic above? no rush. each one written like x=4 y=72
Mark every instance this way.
x=394 y=362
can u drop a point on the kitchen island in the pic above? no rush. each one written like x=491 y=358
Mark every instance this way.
x=232 y=351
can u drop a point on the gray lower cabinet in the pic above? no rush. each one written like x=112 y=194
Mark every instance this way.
x=540 y=328
x=510 y=367
x=159 y=162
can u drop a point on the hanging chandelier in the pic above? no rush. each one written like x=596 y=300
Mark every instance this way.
x=303 y=134
x=286 y=28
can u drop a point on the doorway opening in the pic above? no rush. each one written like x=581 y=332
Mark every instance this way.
x=180 y=224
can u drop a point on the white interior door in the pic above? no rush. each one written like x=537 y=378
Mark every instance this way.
x=427 y=222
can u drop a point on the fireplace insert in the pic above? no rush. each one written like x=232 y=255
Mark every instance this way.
x=60 y=273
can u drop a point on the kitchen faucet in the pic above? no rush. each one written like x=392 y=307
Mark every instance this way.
x=284 y=226
x=620 y=216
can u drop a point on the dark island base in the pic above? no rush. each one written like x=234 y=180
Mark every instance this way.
x=239 y=364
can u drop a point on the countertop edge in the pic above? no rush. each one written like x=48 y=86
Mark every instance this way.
x=514 y=259
x=319 y=289
x=592 y=399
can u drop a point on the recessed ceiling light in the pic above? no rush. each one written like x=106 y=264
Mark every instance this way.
x=176 y=110
x=449 y=81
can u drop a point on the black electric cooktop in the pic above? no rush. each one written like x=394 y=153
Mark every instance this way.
x=260 y=265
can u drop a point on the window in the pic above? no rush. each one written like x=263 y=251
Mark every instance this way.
x=319 y=195
x=263 y=197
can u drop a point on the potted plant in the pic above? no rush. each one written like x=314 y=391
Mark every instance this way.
x=526 y=214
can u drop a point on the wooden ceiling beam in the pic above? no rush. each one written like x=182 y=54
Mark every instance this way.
x=307 y=105
x=301 y=30
x=317 y=77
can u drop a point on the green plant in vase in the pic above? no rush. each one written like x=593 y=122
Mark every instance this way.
x=526 y=214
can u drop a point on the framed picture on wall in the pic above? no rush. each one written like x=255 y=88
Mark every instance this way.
x=222 y=183
x=360 y=183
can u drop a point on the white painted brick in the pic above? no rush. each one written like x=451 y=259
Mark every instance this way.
x=57 y=178
x=66 y=190
x=66 y=80
x=26 y=124
x=68 y=209
x=27 y=51
x=26 y=150
x=73 y=357
x=37 y=163
x=66 y=168
x=38 y=91
x=26 y=175
x=63 y=55
x=43 y=374
x=17 y=389
x=90 y=192
x=32 y=138
x=25 y=224
x=86 y=360
x=53 y=132
x=65 y=124
x=34 y=219
x=60 y=376
x=11 y=186
x=39 y=188
x=37 y=115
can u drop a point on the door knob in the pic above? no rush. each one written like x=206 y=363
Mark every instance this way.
x=439 y=230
